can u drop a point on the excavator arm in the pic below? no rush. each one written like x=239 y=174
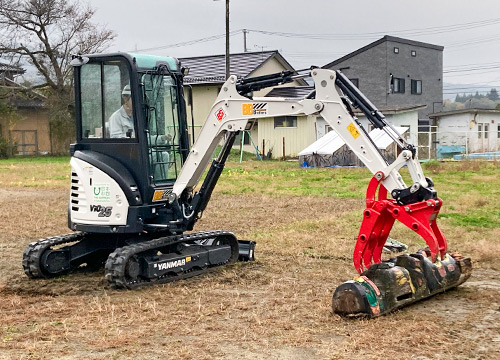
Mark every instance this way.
x=333 y=99
x=232 y=112
x=382 y=286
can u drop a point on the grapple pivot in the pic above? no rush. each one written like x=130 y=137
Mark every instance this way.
x=379 y=217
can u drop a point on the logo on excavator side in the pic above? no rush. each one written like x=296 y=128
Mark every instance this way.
x=171 y=264
x=104 y=211
x=254 y=109
x=220 y=114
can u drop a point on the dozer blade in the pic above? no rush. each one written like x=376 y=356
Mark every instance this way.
x=399 y=282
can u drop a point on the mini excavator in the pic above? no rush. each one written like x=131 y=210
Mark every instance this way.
x=135 y=191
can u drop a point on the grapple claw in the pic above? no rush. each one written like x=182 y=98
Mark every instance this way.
x=379 y=217
x=388 y=285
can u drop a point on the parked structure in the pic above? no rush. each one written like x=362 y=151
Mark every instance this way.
x=331 y=150
x=467 y=131
x=397 y=72
x=27 y=129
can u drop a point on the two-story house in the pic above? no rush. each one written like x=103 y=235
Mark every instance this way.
x=397 y=72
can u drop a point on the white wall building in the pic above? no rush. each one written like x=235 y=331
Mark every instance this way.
x=467 y=131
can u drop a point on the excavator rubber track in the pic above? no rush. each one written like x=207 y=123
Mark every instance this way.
x=140 y=264
x=32 y=256
x=135 y=261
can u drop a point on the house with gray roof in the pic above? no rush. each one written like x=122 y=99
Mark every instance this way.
x=207 y=74
x=394 y=71
x=7 y=73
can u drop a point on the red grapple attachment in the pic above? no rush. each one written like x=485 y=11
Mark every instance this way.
x=379 y=217
x=398 y=282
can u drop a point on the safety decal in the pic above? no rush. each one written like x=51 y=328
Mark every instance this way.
x=161 y=195
x=352 y=129
x=220 y=114
x=254 y=109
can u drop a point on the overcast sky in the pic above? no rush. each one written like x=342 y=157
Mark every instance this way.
x=317 y=32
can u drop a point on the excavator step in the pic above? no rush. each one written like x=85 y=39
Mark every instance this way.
x=399 y=282
x=246 y=250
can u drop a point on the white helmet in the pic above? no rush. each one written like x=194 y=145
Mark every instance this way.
x=126 y=90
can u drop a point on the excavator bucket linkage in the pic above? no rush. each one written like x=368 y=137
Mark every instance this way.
x=386 y=286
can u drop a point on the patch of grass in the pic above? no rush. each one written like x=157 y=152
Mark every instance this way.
x=305 y=222
x=475 y=218
x=39 y=172
x=277 y=178
x=35 y=160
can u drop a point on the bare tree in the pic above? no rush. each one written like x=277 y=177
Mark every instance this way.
x=47 y=32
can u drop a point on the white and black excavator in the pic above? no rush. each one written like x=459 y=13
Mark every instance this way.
x=134 y=193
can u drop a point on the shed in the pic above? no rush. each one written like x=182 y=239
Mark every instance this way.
x=467 y=131
x=331 y=150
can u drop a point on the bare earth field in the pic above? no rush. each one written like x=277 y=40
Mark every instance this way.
x=278 y=307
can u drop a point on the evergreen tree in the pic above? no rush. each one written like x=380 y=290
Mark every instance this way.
x=493 y=95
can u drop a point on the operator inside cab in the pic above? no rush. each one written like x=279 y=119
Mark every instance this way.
x=121 y=123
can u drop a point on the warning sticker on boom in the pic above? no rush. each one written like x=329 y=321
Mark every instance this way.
x=352 y=129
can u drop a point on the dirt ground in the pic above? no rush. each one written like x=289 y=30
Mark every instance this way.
x=278 y=307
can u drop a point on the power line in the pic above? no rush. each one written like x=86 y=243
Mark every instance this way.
x=190 y=42
x=472 y=69
x=412 y=32
x=481 y=83
x=476 y=64
x=347 y=36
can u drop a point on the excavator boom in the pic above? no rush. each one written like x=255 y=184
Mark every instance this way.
x=415 y=205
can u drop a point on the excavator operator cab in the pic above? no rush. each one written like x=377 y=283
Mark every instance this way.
x=131 y=126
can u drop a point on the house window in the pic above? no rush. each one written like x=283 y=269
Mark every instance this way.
x=498 y=130
x=413 y=53
x=246 y=139
x=285 y=122
x=416 y=87
x=396 y=50
x=479 y=130
x=398 y=85
x=355 y=82
x=486 y=130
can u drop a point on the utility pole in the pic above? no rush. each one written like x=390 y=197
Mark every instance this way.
x=228 y=70
x=245 y=32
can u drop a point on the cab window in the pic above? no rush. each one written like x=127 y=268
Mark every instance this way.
x=162 y=122
x=106 y=101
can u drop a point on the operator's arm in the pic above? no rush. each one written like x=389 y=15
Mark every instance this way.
x=115 y=125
